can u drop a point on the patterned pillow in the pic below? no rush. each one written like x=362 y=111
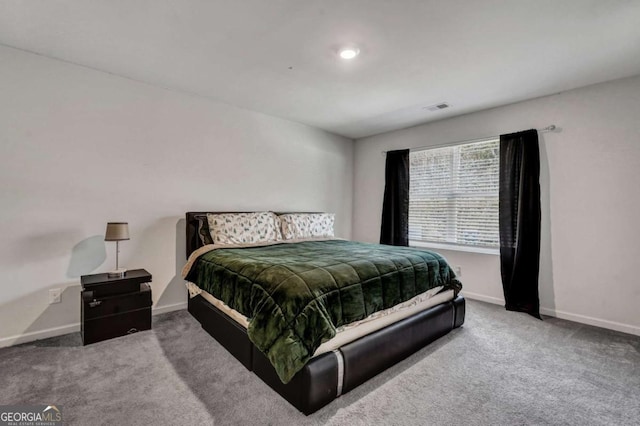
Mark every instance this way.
x=307 y=225
x=243 y=228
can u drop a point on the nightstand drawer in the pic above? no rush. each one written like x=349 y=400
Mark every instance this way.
x=98 y=329
x=96 y=307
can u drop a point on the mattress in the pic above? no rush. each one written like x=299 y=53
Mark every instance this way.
x=353 y=331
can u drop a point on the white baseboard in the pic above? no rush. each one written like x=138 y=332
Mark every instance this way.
x=169 y=308
x=39 y=334
x=483 y=298
x=72 y=328
x=583 y=319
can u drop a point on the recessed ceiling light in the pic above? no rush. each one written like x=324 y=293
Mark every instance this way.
x=349 y=52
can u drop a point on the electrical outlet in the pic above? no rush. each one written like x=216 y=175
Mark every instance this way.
x=54 y=295
x=458 y=271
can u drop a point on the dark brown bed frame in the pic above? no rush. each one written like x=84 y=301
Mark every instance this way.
x=318 y=383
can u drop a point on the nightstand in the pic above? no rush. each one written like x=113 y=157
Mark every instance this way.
x=112 y=307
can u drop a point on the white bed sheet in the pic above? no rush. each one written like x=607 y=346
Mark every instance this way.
x=350 y=332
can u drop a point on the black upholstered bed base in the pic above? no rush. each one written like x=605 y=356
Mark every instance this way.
x=317 y=384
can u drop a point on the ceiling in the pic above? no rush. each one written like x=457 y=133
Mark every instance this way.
x=279 y=56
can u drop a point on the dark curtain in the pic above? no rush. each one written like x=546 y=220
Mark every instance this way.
x=395 y=208
x=520 y=220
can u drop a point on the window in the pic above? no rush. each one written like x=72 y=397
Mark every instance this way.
x=453 y=195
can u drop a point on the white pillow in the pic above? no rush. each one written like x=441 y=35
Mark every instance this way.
x=307 y=225
x=243 y=228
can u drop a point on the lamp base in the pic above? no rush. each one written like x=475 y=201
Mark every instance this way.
x=118 y=273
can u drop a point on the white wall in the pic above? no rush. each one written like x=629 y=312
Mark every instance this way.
x=590 y=198
x=80 y=147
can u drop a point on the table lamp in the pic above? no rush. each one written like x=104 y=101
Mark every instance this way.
x=117 y=231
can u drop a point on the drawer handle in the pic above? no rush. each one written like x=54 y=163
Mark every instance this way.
x=133 y=330
x=95 y=303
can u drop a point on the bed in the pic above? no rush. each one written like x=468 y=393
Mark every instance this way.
x=305 y=357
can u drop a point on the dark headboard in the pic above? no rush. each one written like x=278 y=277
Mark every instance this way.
x=193 y=221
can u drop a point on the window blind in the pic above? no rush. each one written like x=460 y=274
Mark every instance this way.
x=453 y=194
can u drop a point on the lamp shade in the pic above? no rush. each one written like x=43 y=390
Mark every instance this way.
x=117 y=231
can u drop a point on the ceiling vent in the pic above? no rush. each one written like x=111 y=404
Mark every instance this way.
x=437 y=107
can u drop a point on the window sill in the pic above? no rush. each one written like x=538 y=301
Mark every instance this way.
x=454 y=247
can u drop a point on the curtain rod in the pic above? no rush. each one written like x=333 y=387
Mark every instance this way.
x=549 y=128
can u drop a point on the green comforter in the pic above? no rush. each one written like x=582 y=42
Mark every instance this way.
x=295 y=295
